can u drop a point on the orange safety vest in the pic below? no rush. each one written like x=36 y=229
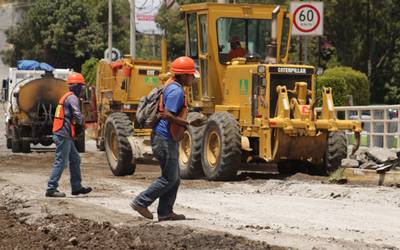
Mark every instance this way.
x=176 y=130
x=59 y=115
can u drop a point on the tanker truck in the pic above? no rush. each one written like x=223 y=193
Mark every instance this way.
x=31 y=97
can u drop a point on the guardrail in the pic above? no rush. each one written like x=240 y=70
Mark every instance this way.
x=381 y=124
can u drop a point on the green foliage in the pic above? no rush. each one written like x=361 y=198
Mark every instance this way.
x=89 y=71
x=346 y=81
x=338 y=85
x=57 y=32
x=120 y=28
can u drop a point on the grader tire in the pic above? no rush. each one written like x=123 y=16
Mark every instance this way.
x=335 y=152
x=118 y=150
x=221 y=154
x=190 y=150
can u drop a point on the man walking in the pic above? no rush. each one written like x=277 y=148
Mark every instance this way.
x=164 y=142
x=66 y=117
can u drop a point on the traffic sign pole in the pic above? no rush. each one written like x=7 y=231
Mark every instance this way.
x=307 y=21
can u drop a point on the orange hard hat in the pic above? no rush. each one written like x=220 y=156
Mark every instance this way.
x=75 y=78
x=183 y=65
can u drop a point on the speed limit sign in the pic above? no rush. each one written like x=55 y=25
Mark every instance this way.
x=307 y=18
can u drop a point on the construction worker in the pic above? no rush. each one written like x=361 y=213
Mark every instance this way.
x=166 y=134
x=67 y=118
x=236 y=48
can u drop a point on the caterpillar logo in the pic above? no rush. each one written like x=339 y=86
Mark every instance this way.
x=287 y=70
x=292 y=70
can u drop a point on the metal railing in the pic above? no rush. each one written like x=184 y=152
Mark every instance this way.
x=381 y=124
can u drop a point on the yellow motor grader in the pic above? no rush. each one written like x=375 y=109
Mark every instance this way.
x=257 y=107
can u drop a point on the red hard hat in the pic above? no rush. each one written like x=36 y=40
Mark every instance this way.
x=75 y=78
x=183 y=65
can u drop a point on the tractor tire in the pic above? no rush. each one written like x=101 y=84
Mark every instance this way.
x=16 y=145
x=25 y=146
x=118 y=150
x=221 y=153
x=190 y=150
x=9 y=143
x=80 y=142
x=336 y=151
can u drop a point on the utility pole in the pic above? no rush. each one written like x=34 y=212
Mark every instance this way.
x=369 y=68
x=109 y=30
x=132 y=46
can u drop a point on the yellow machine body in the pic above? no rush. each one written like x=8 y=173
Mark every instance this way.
x=272 y=100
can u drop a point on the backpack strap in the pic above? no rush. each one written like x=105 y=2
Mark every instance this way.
x=161 y=104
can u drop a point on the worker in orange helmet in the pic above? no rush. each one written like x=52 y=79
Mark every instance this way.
x=66 y=117
x=166 y=134
x=236 y=48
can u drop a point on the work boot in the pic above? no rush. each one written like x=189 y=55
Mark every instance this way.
x=143 y=211
x=55 y=194
x=172 y=216
x=82 y=190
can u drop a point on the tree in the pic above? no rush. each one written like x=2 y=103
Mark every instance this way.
x=58 y=32
x=370 y=35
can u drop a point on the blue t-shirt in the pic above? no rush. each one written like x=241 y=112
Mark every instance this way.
x=173 y=102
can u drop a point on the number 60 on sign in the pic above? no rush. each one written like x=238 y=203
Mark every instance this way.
x=307 y=18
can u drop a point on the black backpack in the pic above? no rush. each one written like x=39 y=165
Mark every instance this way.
x=147 y=111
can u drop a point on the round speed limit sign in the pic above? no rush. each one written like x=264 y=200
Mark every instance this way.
x=307 y=18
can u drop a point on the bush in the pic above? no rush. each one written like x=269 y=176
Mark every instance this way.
x=89 y=71
x=345 y=81
x=338 y=86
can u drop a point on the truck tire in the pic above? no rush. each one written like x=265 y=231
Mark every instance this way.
x=16 y=145
x=221 y=154
x=118 y=150
x=25 y=146
x=80 y=142
x=336 y=151
x=190 y=150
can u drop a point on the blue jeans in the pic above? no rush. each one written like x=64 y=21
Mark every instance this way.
x=65 y=151
x=166 y=186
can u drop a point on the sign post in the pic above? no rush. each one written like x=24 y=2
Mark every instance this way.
x=307 y=21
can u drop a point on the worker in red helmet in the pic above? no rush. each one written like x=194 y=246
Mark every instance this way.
x=236 y=48
x=166 y=134
x=66 y=117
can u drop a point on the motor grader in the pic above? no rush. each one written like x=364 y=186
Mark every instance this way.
x=257 y=108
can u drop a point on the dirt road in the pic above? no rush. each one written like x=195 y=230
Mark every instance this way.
x=290 y=212
x=256 y=212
